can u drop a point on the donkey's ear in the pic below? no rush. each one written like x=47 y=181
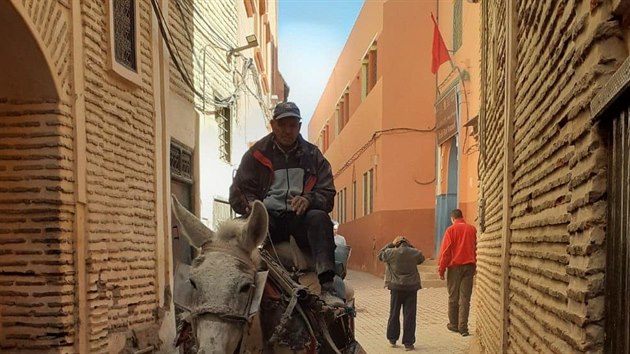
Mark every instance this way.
x=257 y=226
x=192 y=228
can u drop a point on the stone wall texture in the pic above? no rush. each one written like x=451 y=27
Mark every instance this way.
x=38 y=284
x=36 y=224
x=121 y=219
x=565 y=51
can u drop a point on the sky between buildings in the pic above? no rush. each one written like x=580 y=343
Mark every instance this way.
x=311 y=35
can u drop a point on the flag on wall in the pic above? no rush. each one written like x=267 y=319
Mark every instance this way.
x=440 y=53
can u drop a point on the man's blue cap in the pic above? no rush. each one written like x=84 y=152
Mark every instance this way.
x=285 y=110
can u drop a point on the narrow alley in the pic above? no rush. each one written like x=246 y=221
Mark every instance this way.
x=372 y=303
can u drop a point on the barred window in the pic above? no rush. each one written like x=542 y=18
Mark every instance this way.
x=181 y=162
x=354 y=200
x=368 y=192
x=225 y=133
x=341 y=206
x=125 y=33
x=122 y=24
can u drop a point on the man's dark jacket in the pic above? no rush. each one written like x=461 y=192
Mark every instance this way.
x=402 y=262
x=256 y=172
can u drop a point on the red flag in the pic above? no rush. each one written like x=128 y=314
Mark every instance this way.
x=440 y=53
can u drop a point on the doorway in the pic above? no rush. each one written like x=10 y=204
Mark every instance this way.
x=446 y=202
x=617 y=338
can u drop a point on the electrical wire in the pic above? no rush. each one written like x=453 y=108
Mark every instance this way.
x=373 y=139
x=177 y=61
x=219 y=38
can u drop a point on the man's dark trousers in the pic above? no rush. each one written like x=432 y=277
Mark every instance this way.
x=407 y=299
x=459 y=281
x=312 y=231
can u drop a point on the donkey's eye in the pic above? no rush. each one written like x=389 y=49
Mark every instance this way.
x=194 y=285
x=245 y=287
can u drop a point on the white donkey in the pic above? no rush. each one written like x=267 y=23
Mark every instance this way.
x=223 y=280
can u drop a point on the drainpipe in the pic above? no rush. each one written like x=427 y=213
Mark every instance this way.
x=508 y=161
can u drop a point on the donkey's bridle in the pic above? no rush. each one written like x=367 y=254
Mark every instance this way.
x=225 y=313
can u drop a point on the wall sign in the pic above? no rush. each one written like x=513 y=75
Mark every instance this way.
x=446 y=115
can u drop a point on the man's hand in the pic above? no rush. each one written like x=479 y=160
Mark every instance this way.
x=299 y=204
x=442 y=276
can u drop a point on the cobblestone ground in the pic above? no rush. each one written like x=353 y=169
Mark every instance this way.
x=372 y=304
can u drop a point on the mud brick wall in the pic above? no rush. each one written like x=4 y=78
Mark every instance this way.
x=565 y=52
x=36 y=224
x=488 y=283
x=121 y=218
x=38 y=282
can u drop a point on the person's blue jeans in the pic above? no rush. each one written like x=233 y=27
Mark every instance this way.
x=407 y=300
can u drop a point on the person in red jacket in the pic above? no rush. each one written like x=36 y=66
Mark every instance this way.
x=458 y=254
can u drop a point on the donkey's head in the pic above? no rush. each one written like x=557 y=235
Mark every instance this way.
x=222 y=276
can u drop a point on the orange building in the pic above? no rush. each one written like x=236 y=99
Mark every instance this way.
x=457 y=112
x=375 y=123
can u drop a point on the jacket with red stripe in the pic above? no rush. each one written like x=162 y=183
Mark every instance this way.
x=268 y=174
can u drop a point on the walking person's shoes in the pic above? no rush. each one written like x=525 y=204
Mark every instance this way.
x=392 y=343
x=464 y=333
x=409 y=347
x=452 y=328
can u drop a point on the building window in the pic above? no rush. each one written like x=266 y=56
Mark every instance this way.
x=354 y=200
x=341 y=206
x=365 y=89
x=372 y=67
x=368 y=192
x=181 y=162
x=326 y=137
x=346 y=108
x=369 y=72
x=221 y=211
x=123 y=39
x=457 y=24
x=225 y=133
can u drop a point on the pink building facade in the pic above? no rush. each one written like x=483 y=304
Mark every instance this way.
x=375 y=123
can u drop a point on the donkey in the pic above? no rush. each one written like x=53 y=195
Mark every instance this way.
x=223 y=281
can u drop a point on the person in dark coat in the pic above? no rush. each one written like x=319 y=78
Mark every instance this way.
x=295 y=182
x=403 y=280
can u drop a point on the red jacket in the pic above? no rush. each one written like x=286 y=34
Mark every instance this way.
x=459 y=246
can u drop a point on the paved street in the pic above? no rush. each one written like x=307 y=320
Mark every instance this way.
x=372 y=302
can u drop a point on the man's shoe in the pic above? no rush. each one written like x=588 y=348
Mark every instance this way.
x=451 y=328
x=465 y=333
x=329 y=296
x=409 y=347
x=392 y=343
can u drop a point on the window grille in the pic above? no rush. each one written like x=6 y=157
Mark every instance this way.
x=368 y=192
x=181 y=162
x=225 y=133
x=125 y=33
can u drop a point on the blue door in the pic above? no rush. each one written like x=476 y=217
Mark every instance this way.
x=448 y=201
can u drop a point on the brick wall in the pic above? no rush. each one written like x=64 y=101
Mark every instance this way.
x=36 y=225
x=121 y=219
x=491 y=167
x=556 y=257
